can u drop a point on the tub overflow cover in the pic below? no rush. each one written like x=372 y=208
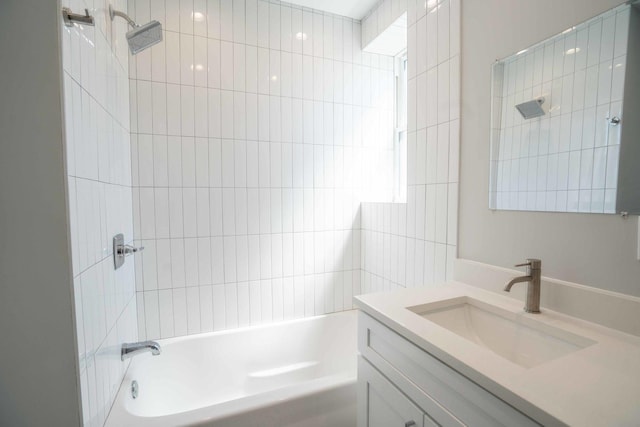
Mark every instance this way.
x=134 y=389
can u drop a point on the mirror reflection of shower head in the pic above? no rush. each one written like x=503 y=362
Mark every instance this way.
x=141 y=36
x=531 y=109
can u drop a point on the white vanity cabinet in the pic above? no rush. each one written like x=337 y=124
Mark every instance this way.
x=381 y=404
x=400 y=384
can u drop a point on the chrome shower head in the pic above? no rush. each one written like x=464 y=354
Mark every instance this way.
x=144 y=36
x=141 y=36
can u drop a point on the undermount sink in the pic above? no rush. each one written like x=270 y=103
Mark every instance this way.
x=513 y=336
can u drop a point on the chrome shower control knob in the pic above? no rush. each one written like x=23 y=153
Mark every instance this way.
x=128 y=250
x=121 y=250
x=614 y=121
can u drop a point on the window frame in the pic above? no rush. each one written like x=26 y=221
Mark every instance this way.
x=400 y=70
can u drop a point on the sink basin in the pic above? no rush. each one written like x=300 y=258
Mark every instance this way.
x=513 y=336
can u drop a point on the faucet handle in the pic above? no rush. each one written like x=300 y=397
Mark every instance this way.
x=532 y=263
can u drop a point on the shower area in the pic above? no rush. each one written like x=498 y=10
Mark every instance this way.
x=257 y=128
x=245 y=151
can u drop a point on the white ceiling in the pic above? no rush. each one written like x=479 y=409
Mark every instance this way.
x=355 y=9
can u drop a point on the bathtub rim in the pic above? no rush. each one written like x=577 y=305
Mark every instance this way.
x=346 y=313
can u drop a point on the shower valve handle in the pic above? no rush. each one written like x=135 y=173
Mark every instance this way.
x=128 y=249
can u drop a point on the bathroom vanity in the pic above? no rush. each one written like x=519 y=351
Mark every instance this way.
x=460 y=355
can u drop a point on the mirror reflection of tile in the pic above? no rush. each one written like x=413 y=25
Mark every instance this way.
x=566 y=158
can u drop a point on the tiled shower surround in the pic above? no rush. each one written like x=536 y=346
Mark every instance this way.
x=414 y=244
x=566 y=160
x=96 y=97
x=257 y=129
x=382 y=16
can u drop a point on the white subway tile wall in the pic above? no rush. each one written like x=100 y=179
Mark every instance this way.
x=414 y=244
x=257 y=128
x=566 y=160
x=380 y=17
x=96 y=98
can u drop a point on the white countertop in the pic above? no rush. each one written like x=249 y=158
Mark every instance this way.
x=597 y=385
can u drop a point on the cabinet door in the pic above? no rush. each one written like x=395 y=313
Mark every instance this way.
x=380 y=404
x=428 y=422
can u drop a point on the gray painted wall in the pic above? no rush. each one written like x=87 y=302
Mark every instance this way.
x=38 y=362
x=592 y=249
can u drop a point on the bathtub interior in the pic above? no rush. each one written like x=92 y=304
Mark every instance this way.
x=209 y=369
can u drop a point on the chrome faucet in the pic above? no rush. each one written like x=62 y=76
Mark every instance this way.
x=131 y=349
x=534 y=270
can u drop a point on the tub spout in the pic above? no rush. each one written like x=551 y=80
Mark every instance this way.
x=131 y=349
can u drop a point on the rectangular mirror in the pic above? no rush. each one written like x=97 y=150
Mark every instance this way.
x=559 y=142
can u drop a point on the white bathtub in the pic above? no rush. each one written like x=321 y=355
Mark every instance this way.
x=299 y=373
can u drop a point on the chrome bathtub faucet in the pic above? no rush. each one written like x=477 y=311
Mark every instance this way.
x=131 y=349
x=533 y=273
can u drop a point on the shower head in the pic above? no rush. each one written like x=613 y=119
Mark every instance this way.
x=531 y=109
x=141 y=36
x=144 y=36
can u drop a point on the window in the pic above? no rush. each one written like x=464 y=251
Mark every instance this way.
x=400 y=129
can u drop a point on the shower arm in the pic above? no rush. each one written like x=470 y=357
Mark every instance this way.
x=113 y=13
